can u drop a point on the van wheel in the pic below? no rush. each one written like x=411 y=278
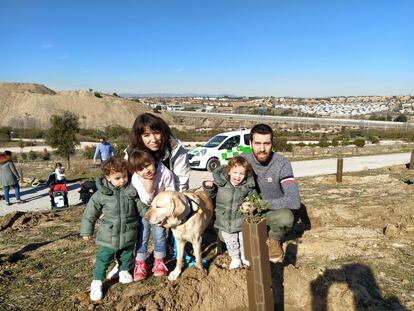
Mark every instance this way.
x=212 y=164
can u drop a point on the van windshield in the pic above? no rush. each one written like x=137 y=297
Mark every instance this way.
x=215 y=141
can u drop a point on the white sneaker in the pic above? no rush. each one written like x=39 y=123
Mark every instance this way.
x=114 y=273
x=235 y=263
x=96 y=290
x=245 y=261
x=125 y=277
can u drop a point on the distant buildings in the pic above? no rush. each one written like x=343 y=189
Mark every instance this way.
x=352 y=106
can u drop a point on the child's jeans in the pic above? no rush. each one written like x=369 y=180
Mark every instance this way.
x=6 y=191
x=158 y=234
x=105 y=256
x=234 y=244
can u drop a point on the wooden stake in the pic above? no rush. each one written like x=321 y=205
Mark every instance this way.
x=258 y=274
x=411 y=167
x=339 y=169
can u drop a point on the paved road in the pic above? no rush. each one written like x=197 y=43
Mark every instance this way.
x=82 y=145
x=37 y=199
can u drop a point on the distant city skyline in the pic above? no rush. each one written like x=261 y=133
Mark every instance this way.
x=241 y=48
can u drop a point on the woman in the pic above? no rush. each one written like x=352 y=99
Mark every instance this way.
x=9 y=177
x=152 y=134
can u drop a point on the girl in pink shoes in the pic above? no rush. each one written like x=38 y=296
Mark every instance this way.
x=149 y=179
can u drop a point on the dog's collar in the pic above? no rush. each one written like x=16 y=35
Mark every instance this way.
x=195 y=208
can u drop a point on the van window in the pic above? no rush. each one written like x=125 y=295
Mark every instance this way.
x=247 y=139
x=214 y=141
x=231 y=143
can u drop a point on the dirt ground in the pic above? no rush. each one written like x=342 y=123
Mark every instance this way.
x=356 y=253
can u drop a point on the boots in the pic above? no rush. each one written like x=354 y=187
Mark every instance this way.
x=275 y=250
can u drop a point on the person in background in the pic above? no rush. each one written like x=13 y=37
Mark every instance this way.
x=118 y=208
x=276 y=185
x=104 y=149
x=9 y=177
x=59 y=173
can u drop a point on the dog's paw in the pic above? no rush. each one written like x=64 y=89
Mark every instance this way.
x=174 y=274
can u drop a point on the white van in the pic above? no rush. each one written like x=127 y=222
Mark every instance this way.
x=219 y=149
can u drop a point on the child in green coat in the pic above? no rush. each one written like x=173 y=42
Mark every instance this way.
x=232 y=183
x=118 y=207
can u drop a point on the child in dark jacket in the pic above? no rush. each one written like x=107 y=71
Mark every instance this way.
x=232 y=183
x=118 y=207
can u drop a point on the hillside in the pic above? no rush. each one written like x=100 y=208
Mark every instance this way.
x=31 y=105
x=356 y=254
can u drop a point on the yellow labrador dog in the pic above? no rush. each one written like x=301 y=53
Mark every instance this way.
x=187 y=214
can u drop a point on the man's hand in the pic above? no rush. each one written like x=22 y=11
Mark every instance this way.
x=208 y=184
x=87 y=238
x=246 y=207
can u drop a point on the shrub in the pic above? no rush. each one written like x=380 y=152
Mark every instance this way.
x=88 y=152
x=335 y=142
x=359 y=142
x=97 y=94
x=119 y=149
x=116 y=132
x=45 y=155
x=23 y=156
x=373 y=139
x=323 y=142
x=157 y=109
x=32 y=155
x=281 y=144
x=5 y=134
x=401 y=118
x=62 y=134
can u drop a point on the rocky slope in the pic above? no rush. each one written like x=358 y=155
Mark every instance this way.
x=31 y=105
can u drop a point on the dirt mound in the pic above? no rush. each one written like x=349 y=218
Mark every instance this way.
x=22 y=221
x=357 y=255
x=31 y=105
x=25 y=88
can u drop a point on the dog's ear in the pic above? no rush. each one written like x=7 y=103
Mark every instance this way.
x=178 y=205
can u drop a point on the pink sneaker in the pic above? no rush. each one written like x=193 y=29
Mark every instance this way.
x=160 y=269
x=140 y=270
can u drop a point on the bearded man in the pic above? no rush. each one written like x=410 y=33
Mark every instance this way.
x=276 y=185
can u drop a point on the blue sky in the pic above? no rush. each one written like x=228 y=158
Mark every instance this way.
x=254 y=48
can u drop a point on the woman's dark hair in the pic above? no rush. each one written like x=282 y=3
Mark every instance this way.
x=148 y=120
x=8 y=153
